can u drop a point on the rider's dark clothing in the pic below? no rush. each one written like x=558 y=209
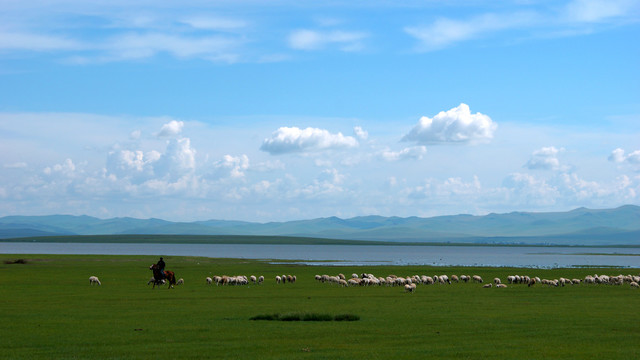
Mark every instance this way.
x=161 y=266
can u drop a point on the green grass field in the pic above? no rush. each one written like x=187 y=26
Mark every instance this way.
x=49 y=311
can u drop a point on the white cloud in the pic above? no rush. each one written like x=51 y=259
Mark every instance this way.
x=171 y=128
x=618 y=156
x=526 y=190
x=37 y=42
x=576 y=18
x=331 y=176
x=214 y=23
x=139 y=46
x=545 y=158
x=457 y=125
x=451 y=189
x=414 y=152
x=318 y=40
x=360 y=133
x=67 y=168
x=16 y=165
x=444 y=32
x=598 y=10
x=295 y=140
x=235 y=165
x=178 y=160
x=133 y=164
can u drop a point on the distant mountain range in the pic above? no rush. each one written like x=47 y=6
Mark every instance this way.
x=619 y=226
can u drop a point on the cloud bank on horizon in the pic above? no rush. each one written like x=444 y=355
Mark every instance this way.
x=269 y=111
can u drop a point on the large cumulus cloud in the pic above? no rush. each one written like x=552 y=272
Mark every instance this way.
x=545 y=158
x=619 y=156
x=295 y=140
x=457 y=125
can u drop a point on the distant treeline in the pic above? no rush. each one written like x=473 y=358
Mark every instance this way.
x=264 y=240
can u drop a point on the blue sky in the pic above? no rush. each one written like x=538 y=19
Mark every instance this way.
x=282 y=110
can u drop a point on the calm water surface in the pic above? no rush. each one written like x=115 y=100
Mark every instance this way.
x=512 y=256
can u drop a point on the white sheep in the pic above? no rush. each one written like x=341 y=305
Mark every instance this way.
x=209 y=280
x=180 y=281
x=500 y=285
x=94 y=280
x=497 y=281
x=487 y=285
x=278 y=279
x=410 y=287
x=260 y=279
x=477 y=278
x=253 y=279
x=634 y=284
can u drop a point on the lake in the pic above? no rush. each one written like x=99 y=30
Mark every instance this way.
x=356 y=255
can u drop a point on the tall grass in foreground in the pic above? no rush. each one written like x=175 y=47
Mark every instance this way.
x=49 y=311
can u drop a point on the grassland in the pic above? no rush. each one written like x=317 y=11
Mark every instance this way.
x=49 y=311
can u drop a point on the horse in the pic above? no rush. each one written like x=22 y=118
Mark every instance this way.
x=168 y=275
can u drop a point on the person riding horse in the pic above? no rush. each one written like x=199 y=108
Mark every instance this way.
x=161 y=266
x=159 y=275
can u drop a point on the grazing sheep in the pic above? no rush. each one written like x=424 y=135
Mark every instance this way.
x=464 y=278
x=410 y=288
x=94 y=280
x=209 y=280
x=454 y=278
x=511 y=279
x=354 y=276
x=497 y=281
x=253 y=279
x=278 y=279
x=487 y=285
x=180 y=281
x=477 y=278
x=634 y=284
x=260 y=279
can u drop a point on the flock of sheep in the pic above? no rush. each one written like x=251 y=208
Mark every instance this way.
x=244 y=280
x=410 y=282
x=234 y=280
